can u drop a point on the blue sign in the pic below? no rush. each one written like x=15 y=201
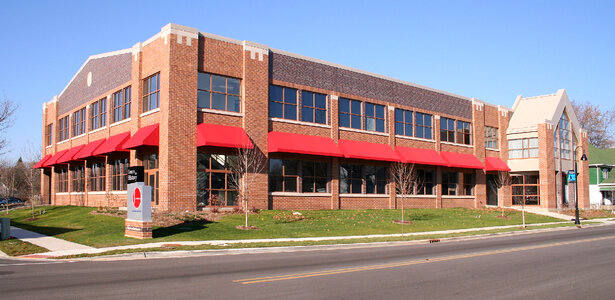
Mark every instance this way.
x=572 y=176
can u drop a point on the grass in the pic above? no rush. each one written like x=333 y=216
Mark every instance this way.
x=16 y=247
x=309 y=243
x=77 y=225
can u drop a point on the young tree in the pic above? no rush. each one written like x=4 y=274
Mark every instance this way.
x=500 y=180
x=597 y=122
x=7 y=109
x=245 y=169
x=406 y=180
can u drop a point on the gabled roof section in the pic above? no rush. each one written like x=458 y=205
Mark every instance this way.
x=99 y=74
x=531 y=111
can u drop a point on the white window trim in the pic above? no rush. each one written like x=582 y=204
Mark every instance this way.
x=97 y=193
x=62 y=142
x=365 y=195
x=119 y=122
x=150 y=112
x=300 y=122
x=294 y=194
x=221 y=112
x=77 y=193
x=456 y=144
x=364 y=131
x=457 y=197
x=62 y=194
x=119 y=192
x=415 y=138
x=98 y=129
x=79 y=136
x=416 y=196
x=47 y=147
x=492 y=149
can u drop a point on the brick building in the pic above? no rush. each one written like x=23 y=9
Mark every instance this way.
x=183 y=103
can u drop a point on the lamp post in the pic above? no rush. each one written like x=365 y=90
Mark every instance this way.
x=576 y=185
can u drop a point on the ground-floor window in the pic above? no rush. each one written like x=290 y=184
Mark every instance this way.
x=150 y=166
x=468 y=184
x=119 y=174
x=525 y=187
x=449 y=183
x=362 y=179
x=62 y=180
x=97 y=177
x=77 y=178
x=289 y=175
x=216 y=185
x=425 y=182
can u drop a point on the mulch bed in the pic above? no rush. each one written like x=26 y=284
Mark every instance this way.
x=406 y=222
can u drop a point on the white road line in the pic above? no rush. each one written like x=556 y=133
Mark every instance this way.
x=36 y=263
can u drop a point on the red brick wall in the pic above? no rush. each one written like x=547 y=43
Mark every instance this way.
x=546 y=166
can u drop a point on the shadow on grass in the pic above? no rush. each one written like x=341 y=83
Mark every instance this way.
x=186 y=226
x=420 y=217
x=46 y=230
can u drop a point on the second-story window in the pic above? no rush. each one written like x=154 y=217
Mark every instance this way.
x=98 y=114
x=79 y=122
x=374 y=117
x=121 y=104
x=313 y=107
x=464 y=133
x=282 y=102
x=218 y=92
x=423 y=126
x=48 y=134
x=350 y=113
x=447 y=130
x=403 y=122
x=491 y=137
x=151 y=92
x=523 y=148
x=63 y=129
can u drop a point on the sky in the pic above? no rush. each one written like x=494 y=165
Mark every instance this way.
x=490 y=50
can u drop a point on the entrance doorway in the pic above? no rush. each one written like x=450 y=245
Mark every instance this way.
x=492 y=190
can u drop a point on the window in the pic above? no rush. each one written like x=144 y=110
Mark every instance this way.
x=468 y=184
x=423 y=126
x=403 y=122
x=350 y=113
x=605 y=173
x=97 y=177
x=555 y=143
x=447 y=130
x=464 y=133
x=282 y=102
x=119 y=174
x=62 y=180
x=314 y=177
x=523 y=148
x=151 y=92
x=362 y=179
x=79 y=122
x=564 y=137
x=449 y=183
x=121 y=104
x=48 y=134
x=283 y=175
x=218 y=92
x=63 y=129
x=78 y=178
x=98 y=114
x=525 y=187
x=215 y=184
x=313 y=107
x=374 y=117
x=425 y=183
x=491 y=137
x=150 y=165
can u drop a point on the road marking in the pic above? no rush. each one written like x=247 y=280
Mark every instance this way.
x=411 y=262
x=35 y=263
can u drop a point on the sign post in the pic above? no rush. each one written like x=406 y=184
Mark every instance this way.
x=139 y=206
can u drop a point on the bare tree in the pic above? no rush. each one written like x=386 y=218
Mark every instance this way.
x=7 y=181
x=597 y=122
x=245 y=169
x=7 y=109
x=500 y=180
x=406 y=180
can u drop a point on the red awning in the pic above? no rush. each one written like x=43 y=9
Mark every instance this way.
x=70 y=154
x=365 y=150
x=495 y=164
x=420 y=156
x=222 y=136
x=41 y=163
x=114 y=143
x=54 y=159
x=302 y=144
x=460 y=160
x=89 y=149
x=145 y=136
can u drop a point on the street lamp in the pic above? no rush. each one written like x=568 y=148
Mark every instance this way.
x=576 y=185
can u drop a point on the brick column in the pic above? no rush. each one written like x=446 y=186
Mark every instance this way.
x=546 y=162
x=438 y=179
x=478 y=141
x=583 y=170
x=505 y=192
x=335 y=162
x=136 y=94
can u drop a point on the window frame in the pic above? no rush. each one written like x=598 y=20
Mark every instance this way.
x=284 y=102
x=450 y=183
x=119 y=174
x=149 y=93
x=211 y=172
x=98 y=114
x=370 y=112
x=469 y=184
x=422 y=127
x=352 y=178
x=49 y=134
x=525 y=149
x=77 y=173
x=313 y=107
x=446 y=133
x=61 y=180
x=464 y=132
x=121 y=101
x=78 y=124
x=151 y=164
x=402 y=123
x=523 y=185
x=350 y=113
x=97 y=179
x=211 y=92
x=421 y=188
x=491 y=137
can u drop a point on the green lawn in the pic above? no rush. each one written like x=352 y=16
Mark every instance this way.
x=16 y=247
x=76 y=224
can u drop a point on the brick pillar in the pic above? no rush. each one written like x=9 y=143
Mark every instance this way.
x=390 y=119
x=546 y=162
x=438 y=179
x=136 y=94
x=478 y=140
x=583 y=170
x=335 y=162
x=255 y=86
x=505 y=192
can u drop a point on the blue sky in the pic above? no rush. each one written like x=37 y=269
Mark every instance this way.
x=490 y=50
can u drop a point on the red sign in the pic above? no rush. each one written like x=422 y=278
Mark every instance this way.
x=136 y=198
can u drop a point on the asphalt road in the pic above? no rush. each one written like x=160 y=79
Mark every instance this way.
x=568 y=264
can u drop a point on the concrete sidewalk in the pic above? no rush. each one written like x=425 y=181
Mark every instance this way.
x=48 y=242
x=543 y=212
